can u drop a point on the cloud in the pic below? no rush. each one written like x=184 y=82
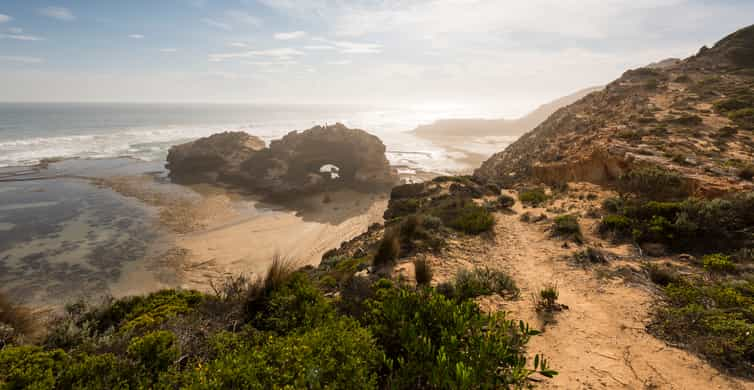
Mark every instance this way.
x=282 y=54
x=59 y=13
x=341 y=62
x=238 y=44
x=168 y=50
x=270 y=63
x=319 y=47
x=20 y=37
x=136 y=36
x=285 y=36
x=244 y=17
x=217 y=24
x=347 y=47
x=5 y=18
x=16 y=30
x=21 y=59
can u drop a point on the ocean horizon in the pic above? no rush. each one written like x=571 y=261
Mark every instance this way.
x=32 y=132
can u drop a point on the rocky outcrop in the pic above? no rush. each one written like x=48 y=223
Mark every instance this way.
x=693 y=117
x=205 y=159
x=299 y=162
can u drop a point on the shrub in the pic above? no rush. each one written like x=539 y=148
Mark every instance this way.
x=613 y=205
x=154 y=352
x=473 y=219
x=431 y=222
x=548 y=297
x=653 y=181
x=295 y=304
x=505 y=201
x=389 y=249
x=591 y=256
x=662 y=276
x=483 y=281
x=743 y=117
x=433 y=342
x=340 y=354
x=422 y=272
x=533 y=196
x=616 y=224
x=718 y=263
x=567 y=226
x=687 y=120
x=30 y=367
x=260 y=290
x=712 y=318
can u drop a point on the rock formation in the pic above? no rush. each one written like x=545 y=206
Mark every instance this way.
x=290 y=165
x=205 y=159
x=694 y=117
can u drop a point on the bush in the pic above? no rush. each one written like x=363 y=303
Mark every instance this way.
x=483 y=281
x=567 y=226
x=616 y=224
x=260 y=290
x=431 y=222
x=743 y=117
x=340 y=354
x=653 y=181
x=389 y=249
x=154 y=352
x=687 y=120
x=473 y=219
x=422 y=272
x=718 y=263
x=295 y=304
x=548 y=297
x=662 y=276
x=505 y=201
x=30 y=367
x=533 y=196
x=712 y=318
x=433 y=342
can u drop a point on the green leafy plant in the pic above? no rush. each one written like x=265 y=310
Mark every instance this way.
x=718 y=263
x=533 y=196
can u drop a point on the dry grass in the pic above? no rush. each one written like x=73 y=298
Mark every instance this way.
x=15 y=321
x=422 y=272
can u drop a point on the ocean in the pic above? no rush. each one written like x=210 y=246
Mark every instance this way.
x=30 y=132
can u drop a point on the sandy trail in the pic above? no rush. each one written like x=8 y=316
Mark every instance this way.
x=601 y=341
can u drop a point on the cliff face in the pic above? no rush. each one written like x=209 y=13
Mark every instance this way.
x=693 y=116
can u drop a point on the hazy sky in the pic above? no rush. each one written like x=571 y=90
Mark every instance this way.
x=514 y=53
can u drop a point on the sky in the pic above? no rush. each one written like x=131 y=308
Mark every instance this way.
x=511 y=55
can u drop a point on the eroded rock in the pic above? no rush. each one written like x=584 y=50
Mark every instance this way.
x=321 y=158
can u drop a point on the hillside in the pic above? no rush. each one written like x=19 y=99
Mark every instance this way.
x=695 y=117
x=499 y=127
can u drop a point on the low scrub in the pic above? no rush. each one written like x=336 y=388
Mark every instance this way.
x=533 y=196
x=401 y=338
x=653 y=182
x=389 y=249
x=423 y=272
x=480 y=281
x=712 y=318
x=690 y=224
x=567 y=226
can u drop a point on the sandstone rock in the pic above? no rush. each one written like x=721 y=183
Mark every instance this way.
x=204 y=159
x=318 y=159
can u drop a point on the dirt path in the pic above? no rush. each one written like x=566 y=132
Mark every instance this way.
x=600 y=342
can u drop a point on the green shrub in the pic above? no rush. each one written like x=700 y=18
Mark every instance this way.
x=296 y=304
x=533 y=196
x=422 y=272
x=718 y=263
x=340 y=354
x=567 y=226
x=389 y=249
x=482 y=281
x=743 y=117
x=30 y=367
x=433 y=342
x=712 y=318
x=431 y=222
x=260 y=290
x=473 y=219
x=505 y=201
x=616 y=224
x=95 y=372
x=653 y=181
x=548 y=297
x=154 y=352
